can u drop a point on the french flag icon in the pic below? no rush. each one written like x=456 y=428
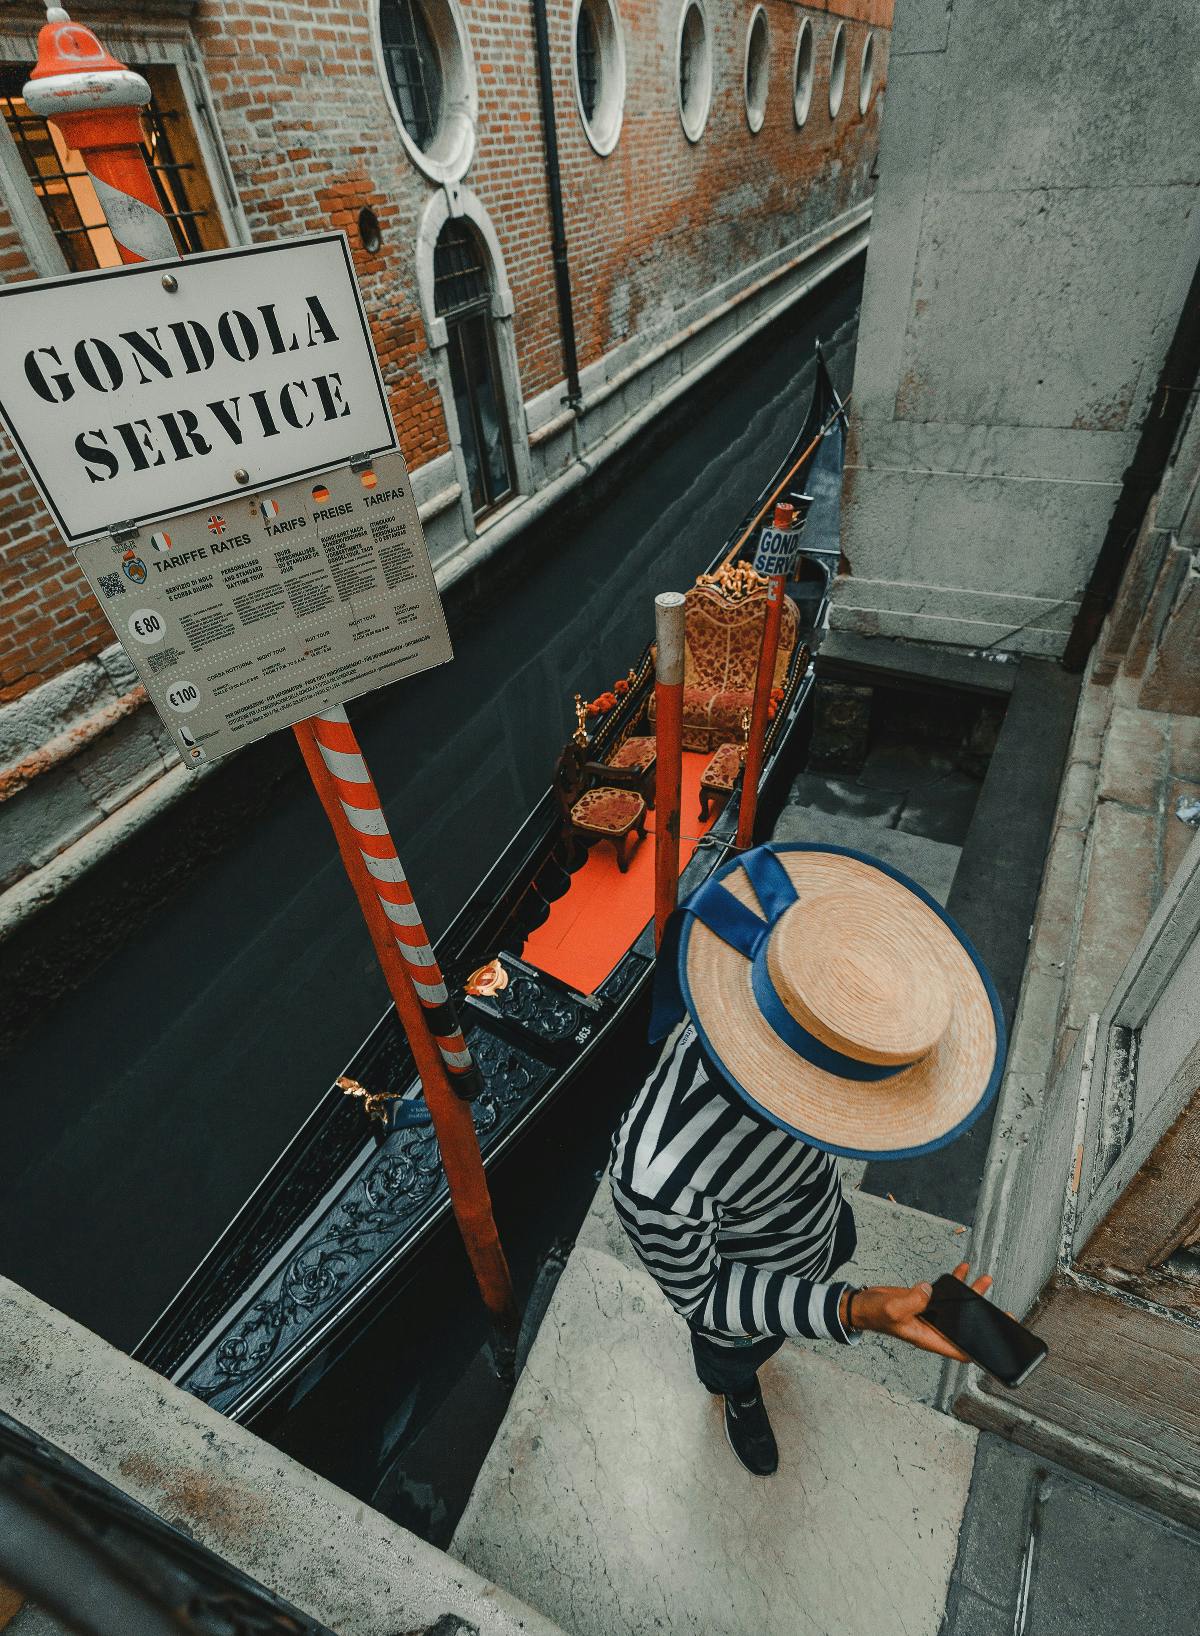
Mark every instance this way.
x=268 y=510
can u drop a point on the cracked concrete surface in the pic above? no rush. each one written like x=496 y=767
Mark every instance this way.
x=612 y=1502
x=895 y=1246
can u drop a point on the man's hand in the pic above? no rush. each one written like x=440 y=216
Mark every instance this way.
x=897 y=1312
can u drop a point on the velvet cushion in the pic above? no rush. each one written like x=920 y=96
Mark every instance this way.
x=608 y=811
x=635 y=753
x=723 y=769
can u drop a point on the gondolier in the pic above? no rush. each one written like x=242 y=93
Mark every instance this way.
x=830 y=1007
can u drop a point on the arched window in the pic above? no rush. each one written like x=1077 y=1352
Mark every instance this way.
x=756 y=74
x=414 y=69
x=462 y=298
x=425 y=57
x=837 y=71
x=866 y=74
x=695 y=69
x=802 y=72
x=599 y=71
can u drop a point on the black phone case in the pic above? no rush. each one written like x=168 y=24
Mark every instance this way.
x=950 y=1293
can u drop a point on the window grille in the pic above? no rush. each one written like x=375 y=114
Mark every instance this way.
x=414 y=69
x=65 y=189
x=462 y=296
x=587 y=60
x=460 y=277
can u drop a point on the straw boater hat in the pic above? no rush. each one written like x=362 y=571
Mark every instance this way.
x=837 y=998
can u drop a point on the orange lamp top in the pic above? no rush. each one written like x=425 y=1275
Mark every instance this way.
x=66 y=47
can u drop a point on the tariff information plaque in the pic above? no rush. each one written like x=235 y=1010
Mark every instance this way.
x=249 y=616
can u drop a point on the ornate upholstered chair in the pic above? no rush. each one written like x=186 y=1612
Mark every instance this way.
x=632 y=765
x=724 y=614
x=720 y=775
x=604 y=812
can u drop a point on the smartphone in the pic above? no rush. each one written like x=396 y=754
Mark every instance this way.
x=987 y=1335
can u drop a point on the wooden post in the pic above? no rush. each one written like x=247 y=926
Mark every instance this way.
x=95 y=101
x=668 y=772
x=764 y=682
x=453 y=1122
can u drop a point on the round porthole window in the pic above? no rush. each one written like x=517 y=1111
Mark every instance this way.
x=695 y=69
x=757 y=69
x=425 y=59
x=866 y=74
x=837 y=71
x=802 y=74
x=599 y=64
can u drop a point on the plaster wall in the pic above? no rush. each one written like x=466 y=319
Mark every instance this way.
x=1034 y=233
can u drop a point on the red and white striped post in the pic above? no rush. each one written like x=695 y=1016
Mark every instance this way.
x=668 y=769
x=95 y=100
x=785 y=516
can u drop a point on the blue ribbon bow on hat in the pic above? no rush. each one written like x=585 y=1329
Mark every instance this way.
x=736 y=924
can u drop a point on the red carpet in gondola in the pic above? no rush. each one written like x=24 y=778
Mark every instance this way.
x=592 y=926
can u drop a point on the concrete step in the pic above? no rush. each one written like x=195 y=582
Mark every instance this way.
x=930 y=863
x=612 y=1502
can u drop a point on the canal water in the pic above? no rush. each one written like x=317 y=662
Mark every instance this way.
x=151 y=1100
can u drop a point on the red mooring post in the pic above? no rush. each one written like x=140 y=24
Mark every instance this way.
x=668 y=770
x=785 y=516
x=95 y=101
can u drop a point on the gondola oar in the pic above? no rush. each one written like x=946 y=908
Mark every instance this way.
x=668 y=772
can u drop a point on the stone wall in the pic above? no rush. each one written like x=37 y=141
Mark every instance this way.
x=1034 y=236
x=316 y=1546
x=1119 y=864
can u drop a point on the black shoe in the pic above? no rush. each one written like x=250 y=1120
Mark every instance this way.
x=750 y=1435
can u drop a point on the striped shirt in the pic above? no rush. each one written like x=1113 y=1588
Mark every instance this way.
x=734 y=1219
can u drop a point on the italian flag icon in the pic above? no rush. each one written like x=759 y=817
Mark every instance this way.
x=161 y=542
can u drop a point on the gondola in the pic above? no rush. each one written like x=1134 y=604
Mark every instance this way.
x=558 y=939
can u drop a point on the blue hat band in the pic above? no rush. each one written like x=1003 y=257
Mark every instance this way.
x=737 y=924
x=797 y=1037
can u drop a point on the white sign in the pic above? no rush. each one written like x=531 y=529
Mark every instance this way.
x=143 y=391
x=777 y=550
x=248 y=616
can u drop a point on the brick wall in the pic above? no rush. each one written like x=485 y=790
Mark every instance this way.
x=307 y=125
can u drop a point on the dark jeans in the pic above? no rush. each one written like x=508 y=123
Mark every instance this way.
x=731 y=1369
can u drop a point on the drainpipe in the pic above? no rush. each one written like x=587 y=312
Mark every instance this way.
x=562 y=272
x=1174 y=393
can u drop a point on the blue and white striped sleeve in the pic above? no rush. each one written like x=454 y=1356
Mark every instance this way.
x=721 y=1295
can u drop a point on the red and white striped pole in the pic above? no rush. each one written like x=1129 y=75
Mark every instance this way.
x=669 y=632
x=340 y=777
x=95 y=102
x=361 y=811
x=785 y=516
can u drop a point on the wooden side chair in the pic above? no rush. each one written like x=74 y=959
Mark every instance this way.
x=601 y=812
x=632 y=766
x=720 y=775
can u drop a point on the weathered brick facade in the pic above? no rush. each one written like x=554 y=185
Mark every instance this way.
x=307 y=124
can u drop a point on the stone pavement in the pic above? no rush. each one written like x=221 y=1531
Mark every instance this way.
x=612 y=1498
x=611 y=1502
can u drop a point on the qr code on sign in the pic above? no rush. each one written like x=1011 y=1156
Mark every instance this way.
x=111 y=585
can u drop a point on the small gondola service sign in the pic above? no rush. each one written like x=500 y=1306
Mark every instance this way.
x=214 y=440
x=141 y=392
